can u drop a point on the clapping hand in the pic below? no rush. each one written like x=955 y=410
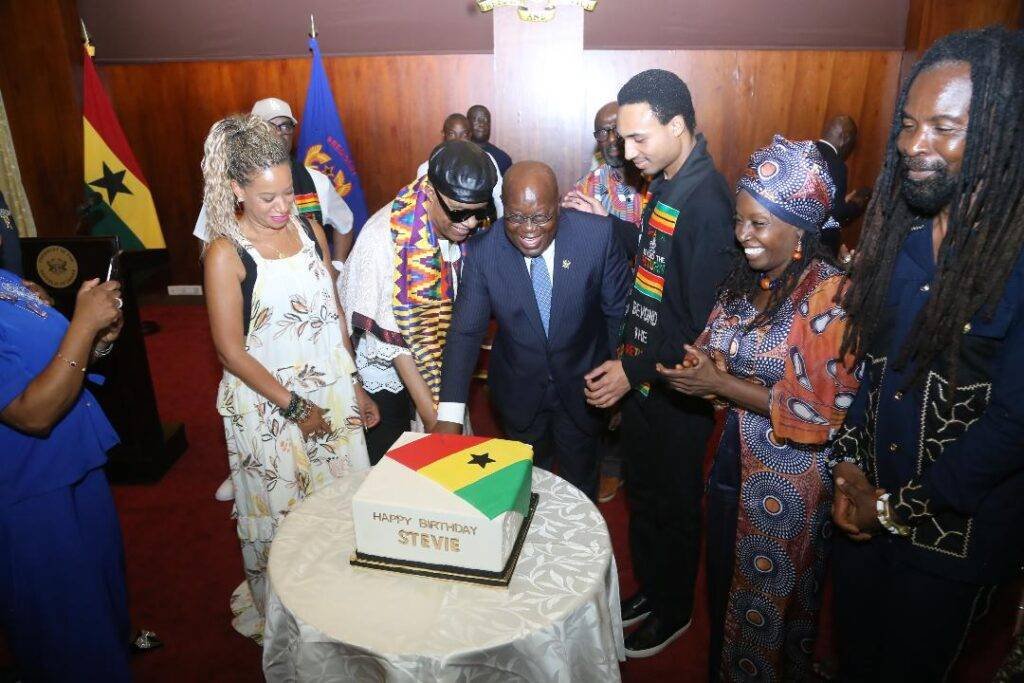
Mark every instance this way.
x=697 y=375
x=98 y=306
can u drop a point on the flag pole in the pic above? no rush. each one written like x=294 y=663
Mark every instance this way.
x=86 y=39
x=312 y=27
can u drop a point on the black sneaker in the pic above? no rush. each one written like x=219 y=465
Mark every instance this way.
x=653 y=636
x=635 y=610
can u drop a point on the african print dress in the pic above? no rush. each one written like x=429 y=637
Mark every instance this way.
x=294 y=332
x=782 y=519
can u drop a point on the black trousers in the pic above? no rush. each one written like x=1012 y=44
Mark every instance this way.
x=558 y=441
x=720 y=557
x=395 y=414
x=664 y=440
x=895 y=622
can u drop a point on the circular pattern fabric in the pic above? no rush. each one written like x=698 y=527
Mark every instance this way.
x=744 y=665
x=800 y=637
x=791 y=179
x=778 y=457
x=773 y=505
x=765 y=565
x=809 y=590
x=760 y=621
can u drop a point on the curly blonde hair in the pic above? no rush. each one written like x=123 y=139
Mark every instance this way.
x=236 y=148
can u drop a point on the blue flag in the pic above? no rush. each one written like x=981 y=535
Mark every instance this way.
x=322 y=142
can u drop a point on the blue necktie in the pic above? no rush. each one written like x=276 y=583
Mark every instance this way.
x=541 y=289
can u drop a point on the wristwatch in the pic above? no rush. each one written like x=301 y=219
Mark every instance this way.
x=887 y=519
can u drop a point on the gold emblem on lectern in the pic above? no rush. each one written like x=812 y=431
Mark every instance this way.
x=57 y=266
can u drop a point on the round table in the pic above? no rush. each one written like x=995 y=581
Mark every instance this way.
x=558 y=620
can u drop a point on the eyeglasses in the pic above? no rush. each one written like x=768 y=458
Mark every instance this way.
x=536 y=220
x=460 y=215
x=286 y=127
x=603 y=134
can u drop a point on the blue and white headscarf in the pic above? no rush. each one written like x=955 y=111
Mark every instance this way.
x=791 y=180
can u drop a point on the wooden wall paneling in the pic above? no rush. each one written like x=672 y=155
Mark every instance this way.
x=540 y=112
x=41 y=81
x=928 y=20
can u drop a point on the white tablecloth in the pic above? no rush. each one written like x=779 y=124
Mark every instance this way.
x=559 y=619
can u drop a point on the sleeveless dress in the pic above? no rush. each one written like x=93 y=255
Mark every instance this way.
x=294 y=332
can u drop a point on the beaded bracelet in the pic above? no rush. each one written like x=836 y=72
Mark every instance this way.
x=75 y=365
x=298 y=409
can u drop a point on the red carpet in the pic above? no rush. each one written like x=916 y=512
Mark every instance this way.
x=184 y=560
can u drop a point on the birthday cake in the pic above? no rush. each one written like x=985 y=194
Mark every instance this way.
x=444 y=505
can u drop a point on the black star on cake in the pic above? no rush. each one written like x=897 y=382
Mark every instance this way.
x=112 y=182
x=481 y=460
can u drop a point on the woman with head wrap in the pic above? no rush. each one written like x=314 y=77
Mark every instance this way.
x=291 y=408
x=770 y=354
x=400 y=282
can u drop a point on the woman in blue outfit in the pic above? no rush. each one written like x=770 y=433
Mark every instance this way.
x=63 y=601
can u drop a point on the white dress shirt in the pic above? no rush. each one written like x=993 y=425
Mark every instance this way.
x=333 y=208
x=450 y=411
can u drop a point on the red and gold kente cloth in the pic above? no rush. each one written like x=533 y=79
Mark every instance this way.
x=423 y=290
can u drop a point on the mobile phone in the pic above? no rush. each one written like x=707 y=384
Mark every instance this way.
x=114 y=267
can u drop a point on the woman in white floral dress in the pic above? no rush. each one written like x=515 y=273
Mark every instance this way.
x=293 y=412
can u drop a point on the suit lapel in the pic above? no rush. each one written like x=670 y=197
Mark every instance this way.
x=520 y=288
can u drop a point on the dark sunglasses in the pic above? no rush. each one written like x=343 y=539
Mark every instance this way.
x=461 y=215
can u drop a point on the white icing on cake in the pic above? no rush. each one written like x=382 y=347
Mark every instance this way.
x=400 y=514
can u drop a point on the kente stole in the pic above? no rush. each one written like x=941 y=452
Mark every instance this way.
x=423 y=291
x=644 y=298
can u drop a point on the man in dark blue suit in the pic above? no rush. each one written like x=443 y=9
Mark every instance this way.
x=556 y=283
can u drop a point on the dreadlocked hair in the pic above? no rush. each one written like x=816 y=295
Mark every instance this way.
x=236 y=148
x=743 y=282
x=985 y=229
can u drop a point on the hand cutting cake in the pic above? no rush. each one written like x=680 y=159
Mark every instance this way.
x=445 y=504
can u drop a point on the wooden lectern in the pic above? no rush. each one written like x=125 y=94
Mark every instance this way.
x=148 y=447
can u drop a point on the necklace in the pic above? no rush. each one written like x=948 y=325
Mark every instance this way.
x=265 y=243
x=767 y=283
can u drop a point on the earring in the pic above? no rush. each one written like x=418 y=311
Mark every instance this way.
x=798 y=253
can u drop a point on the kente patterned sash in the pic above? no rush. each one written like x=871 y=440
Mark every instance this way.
x=306 y=198
x=423 y=290
x=649 y=283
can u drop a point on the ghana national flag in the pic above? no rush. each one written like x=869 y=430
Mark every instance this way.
x=112 y=172
x=492 y=475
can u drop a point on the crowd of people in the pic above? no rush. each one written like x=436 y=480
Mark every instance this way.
x=872 y=397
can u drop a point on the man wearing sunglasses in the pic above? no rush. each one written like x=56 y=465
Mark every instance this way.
x=556 y=284
x=401 y=280
x=456 y=127
x=315 y=196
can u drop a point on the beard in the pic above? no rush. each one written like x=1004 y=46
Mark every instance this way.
x=927 y=197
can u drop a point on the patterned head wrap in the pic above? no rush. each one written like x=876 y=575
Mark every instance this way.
x=791 y=180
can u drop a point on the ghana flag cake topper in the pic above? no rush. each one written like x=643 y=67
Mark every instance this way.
x=492 y=475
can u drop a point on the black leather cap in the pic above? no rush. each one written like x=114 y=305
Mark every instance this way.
x=462 y=171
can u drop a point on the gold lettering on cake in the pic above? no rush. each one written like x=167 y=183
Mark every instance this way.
x=450 y=527
x=428 y=541
x=389 y=518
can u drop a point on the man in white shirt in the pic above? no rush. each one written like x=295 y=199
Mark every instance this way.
x=401 y=280
x=315 y=196
x=556 y=284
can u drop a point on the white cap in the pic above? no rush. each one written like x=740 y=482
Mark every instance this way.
x=271 y=108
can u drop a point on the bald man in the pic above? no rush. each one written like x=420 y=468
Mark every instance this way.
x=555 y=282
x=838 y=136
